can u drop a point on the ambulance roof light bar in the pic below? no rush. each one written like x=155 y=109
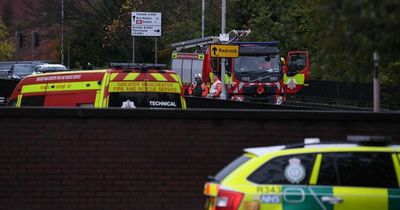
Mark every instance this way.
x=370 y=140
x=314 y=140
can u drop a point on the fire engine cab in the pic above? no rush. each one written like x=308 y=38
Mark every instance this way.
x=258 y=74
x=124 y=86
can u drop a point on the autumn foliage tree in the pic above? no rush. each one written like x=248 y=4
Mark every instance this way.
x=7 y=47
x=341 y=35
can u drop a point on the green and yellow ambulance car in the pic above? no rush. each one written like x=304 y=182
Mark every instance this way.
x=362 y=173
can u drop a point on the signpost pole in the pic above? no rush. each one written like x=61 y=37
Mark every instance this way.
x=155 y=50
x=202 y=17
x=146 y=24
x=223 y=92
x=133 y=49
x=62 y=32
x=223 y=12
x=376 y=85
x=16 y=47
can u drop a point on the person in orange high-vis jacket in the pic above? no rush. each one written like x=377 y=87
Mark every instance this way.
x=198 y=88
x=216 y=88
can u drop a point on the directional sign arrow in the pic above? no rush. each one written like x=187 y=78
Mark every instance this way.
x=158 y=30
x=224 y=51
x=214 y=50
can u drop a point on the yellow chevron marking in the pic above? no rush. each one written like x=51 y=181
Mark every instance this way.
x=175 y=77
x=131 y=76
x=158 y=76
x=113 y=75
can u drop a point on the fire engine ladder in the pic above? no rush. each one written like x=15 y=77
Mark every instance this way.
x=195 y=43
x=234 y=35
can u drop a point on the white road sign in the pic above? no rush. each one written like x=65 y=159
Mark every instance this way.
x=146 y=31
x=146 y=24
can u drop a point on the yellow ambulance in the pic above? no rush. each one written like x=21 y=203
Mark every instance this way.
x=123 y=86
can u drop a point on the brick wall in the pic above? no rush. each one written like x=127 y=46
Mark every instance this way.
x=138 y=159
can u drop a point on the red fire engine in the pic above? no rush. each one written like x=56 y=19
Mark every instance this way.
x=258 y=74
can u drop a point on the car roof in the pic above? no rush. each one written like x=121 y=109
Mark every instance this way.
x=51 y=65
x=328 y=146
x=260 y=151
x=25 y=64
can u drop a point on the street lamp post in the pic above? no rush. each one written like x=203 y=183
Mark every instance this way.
x=202 y=17
x=223 y=14
x=223 y=25
x=62 y=32
x=377 y=96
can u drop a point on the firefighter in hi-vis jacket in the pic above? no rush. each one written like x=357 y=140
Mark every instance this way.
x=216 y=87
x=198 y=88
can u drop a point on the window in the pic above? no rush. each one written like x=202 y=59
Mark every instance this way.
x=328 y=172
x=197 y=67
x=187 y=70
x=177 y=66
x=23 y=69
x=297 y=62
x=232 y=166
x=292 y=169
x=358 y=169
x=32 y=101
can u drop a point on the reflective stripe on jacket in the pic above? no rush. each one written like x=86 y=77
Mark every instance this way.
x=216 y=89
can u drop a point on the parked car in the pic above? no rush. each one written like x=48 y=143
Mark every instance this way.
x=45 y=68
x=362 y=173
x=20 y=70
